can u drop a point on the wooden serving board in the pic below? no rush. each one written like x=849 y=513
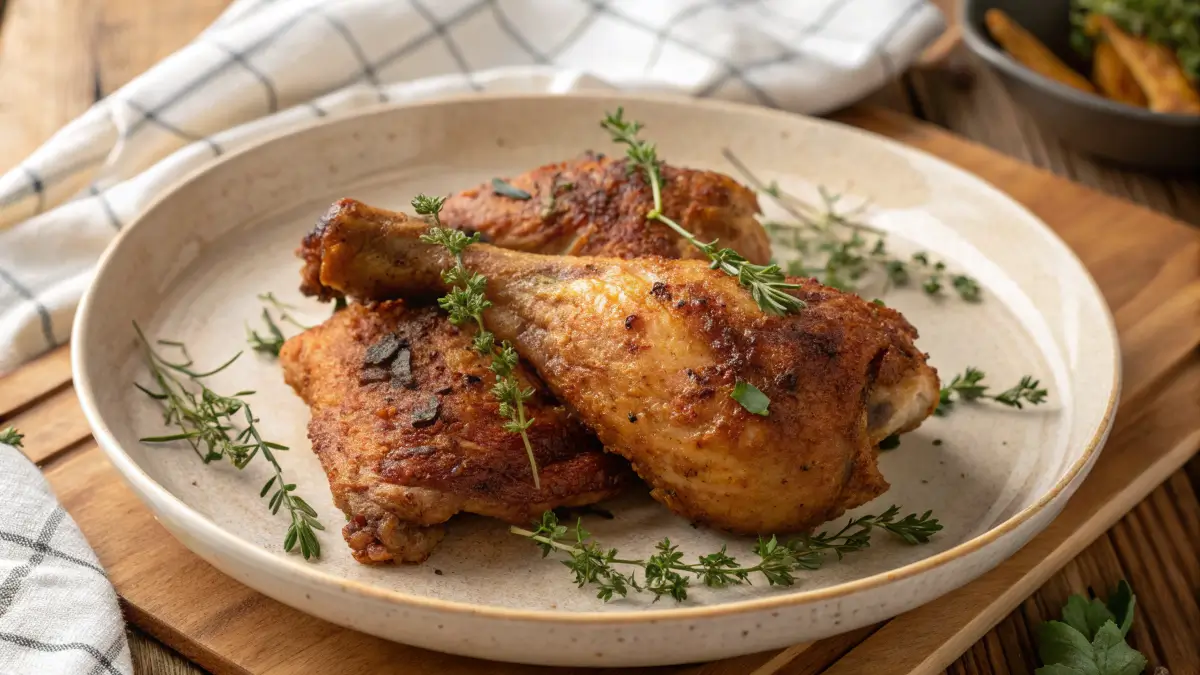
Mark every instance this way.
x=1147 y=265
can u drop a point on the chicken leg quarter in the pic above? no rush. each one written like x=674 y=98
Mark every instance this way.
x=647 y=352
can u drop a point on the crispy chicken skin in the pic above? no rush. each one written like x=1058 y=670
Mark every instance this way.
x=598 y=208
x=594 y=206
x=411 y=438
x=647 y=352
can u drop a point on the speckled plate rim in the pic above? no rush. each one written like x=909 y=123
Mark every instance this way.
x=204 y=528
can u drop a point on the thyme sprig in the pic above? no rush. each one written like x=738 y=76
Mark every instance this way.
x=839 y=250
x=666 y=573
x=466 y=303
x=271 y=341
x=766 y=283
x=208 y=422
x=11 y=436
x=968 y=386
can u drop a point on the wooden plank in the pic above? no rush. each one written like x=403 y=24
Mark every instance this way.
x=34 y=380
x=132 y=35
x=53 y=426
x=48 y=78
x=1148 y=445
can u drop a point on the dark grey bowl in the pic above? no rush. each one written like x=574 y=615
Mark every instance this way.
x=1090 y=123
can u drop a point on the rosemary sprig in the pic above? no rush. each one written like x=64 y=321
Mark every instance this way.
x=766 y=283
x=466 y=303
x=968 y=386
x=206 y=420
x=271 y=341
x=839 y=250
x=665 y=573
x=11 y=436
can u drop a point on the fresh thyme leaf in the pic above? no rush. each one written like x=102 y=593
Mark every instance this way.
x=11 y=436
x=271 y=342
x=209 y=423
x=749 y=396
x=465 y=303
x=767 y=283
x=969 y=386
x=506 y=189
x=840 y=250
x=890 y=443
x=667 y=572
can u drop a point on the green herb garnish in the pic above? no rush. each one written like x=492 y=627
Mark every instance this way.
x=969 y=387
x=506 y=189
x=1090 y=640
x=1172 y=23
x=667 y=574
x=766 y=283
x=466 y=302
x=890 y=443
x=839 y=250
x=753 y=400
x=271 y=341
x=206 y=420
x=11 y=436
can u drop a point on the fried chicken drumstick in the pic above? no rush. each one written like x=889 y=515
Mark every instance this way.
x=647 y=352
x=397 y=482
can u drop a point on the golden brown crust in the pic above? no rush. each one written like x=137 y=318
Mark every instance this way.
x=598 y=208
x=647 y=352
x=415 y=438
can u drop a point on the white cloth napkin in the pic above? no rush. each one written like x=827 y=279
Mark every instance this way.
x=270 y=65
x=58 y=613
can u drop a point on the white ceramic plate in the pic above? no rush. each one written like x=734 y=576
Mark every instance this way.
x=190 y=268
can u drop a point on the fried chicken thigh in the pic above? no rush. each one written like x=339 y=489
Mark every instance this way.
x=647 y=352
x=593 y=206
x=407 y=430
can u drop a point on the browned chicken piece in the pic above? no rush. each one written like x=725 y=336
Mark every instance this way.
x=647 y=352
x=407 y=430
x=594 y=206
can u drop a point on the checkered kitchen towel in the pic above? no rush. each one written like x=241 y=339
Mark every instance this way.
x=58 y=613
x=270 y=65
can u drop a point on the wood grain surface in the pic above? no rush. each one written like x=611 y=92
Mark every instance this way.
x=57 y=56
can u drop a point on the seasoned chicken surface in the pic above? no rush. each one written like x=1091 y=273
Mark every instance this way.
x=647 y=353
x=594 y=206
x=407 y=430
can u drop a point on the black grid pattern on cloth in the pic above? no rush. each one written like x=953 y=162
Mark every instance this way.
x=28 y=296
x=11 y=586
x=102 y=659
x=108 y=209
x=38 y=546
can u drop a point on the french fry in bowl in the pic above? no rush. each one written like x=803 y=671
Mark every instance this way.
x=1030 y=52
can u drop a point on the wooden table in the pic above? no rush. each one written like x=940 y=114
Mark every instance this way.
x=57 y=57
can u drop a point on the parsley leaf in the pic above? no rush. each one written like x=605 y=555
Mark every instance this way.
x=753 y=400
x=1089 y=640
x=506 y=189
x=1113 y=656
x=1060 y=644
